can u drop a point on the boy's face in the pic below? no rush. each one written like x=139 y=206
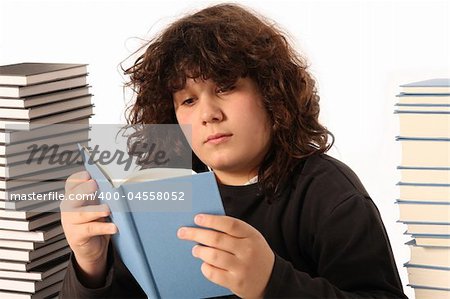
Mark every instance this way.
x=231 y=130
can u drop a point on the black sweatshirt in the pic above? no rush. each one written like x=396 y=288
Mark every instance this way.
x=326 y=233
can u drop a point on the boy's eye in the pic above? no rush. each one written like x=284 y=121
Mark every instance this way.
x=224 y=89
x=188 y=102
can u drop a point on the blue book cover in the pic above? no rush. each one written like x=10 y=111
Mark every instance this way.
x=439 y=82
x=148 y=214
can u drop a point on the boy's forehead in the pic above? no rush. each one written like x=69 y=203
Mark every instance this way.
x=186 y=75
x=190 y=82
x=194 y=82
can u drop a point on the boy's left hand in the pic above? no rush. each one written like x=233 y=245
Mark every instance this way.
x=235 y=255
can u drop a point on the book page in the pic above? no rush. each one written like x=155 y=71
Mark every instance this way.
x=156 y=174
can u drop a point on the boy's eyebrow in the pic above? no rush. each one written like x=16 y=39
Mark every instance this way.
x=186 y=87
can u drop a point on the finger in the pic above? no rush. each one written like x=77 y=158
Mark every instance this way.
x=215 y=257
x=217 y=275
x=229 y=225
x=92 y=229
x=86 y=187
x=82 y=195
x=74 y=206
x=209 y=238
x=76 y=179
x=86 y=214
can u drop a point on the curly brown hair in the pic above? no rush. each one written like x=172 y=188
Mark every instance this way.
x=224 y=43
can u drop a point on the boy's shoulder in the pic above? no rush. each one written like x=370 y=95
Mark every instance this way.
x=320 y=184
x=329 y=175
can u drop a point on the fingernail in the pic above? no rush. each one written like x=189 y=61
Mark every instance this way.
x=93 y=183
x=199 y=219
x=181 y=232
x=194 y=249
x=113 y=229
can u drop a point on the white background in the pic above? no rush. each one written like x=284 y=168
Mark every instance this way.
x=359 y=52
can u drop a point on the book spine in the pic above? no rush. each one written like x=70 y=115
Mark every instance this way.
x=128 y=240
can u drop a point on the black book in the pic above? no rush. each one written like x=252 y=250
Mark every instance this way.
x=30 y=266
x=38 y=273
x=31 y=255
x=28 y=245
x=30 y=286
x=29 y=73
x=46 y=98
x=30 y=224
x=47 y=292
x=12 y=91
x=41 y=235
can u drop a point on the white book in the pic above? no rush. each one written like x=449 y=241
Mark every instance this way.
x=27 y=266
x=425 y=152
x=41 y=154
x=423 y=175
x=41 y=235
x=28 y=73
x=47 y=120
x=45 y=142
x=31 y=255
x=422 y=109
x=426 y=212
x=37 y=187
x=18 y=158
x=59 y=174
x=431 y=86
x=45 y=98
x=28 y=245
x=420 y=228
x=418 y=99
x=47 y=292
x=24 y=91
x=434 y=277
x=431 y=293
x=47 y=164
x=429 y=256
x=30 y=224
x=15 y=134
x=30 y=286
x=14 y=171
x=432 y=240
x=424 y=192
x=38 y=273
x=31 y=201
x=46 y=109
x=424 y=125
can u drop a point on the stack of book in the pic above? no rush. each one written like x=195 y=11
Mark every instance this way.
x=424 y=112
x=44 y=112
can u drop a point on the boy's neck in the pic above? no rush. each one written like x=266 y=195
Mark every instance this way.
x=233 y=179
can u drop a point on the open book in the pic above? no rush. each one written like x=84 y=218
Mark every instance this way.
x=148 y=209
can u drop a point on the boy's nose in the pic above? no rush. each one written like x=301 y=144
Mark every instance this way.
x=211 y=111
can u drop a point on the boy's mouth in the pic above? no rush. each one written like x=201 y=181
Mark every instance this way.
x=218 y=138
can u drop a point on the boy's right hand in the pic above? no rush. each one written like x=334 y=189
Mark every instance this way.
x=85 y=228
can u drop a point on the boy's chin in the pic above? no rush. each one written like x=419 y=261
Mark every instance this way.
x=227 y=168
x=222 y=167
x=220 y=162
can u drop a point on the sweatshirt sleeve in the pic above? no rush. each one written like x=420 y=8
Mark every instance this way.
x=119 y=282
x=352 y=256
